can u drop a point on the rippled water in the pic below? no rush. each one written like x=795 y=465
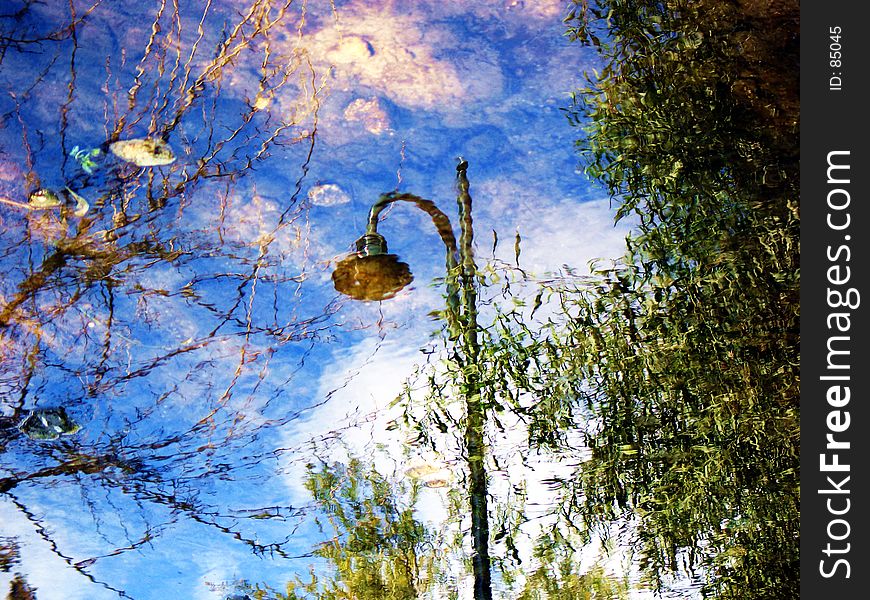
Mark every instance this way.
x=183 y=314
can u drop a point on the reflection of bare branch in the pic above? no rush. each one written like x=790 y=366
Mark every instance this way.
x=146 y=485
x=28 y=152
x=20 y=205
x=200 y=514
x=101 y=257
x=43 y=533
x=71 y=86
x=140 y=68
x=237 y=41
x=76 y=464
x=32 y=284
x=55 y=36
x=100 y=301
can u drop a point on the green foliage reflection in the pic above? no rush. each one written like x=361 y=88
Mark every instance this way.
x=691 y=351
x=377 y=549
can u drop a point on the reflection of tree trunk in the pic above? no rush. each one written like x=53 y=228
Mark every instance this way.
x=471 y=389
x=474 y=446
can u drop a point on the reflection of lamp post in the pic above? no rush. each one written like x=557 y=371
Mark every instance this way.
x=372 y=274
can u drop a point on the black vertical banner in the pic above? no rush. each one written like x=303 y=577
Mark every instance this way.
x=835 y=299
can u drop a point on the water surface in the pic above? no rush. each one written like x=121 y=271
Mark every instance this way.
x=185 y=316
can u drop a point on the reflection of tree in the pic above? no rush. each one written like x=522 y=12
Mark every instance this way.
x=668 y=385
x=19 y=590
x=490 y=400
x=378 y=549
x=375 y=549
x=558 y=576
x=8 y=553
x=690 y=351
x=155 y=317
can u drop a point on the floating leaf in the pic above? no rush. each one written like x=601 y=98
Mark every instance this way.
x=145 y=152
x=82 y=205
x=43 y=199
x=48 y=424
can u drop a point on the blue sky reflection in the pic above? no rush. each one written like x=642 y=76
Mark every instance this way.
x=215 y=372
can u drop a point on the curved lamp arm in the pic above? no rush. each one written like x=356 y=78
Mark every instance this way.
x=445 y=231
x=439 y=219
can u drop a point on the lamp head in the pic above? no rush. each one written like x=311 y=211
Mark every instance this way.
x=371 y=273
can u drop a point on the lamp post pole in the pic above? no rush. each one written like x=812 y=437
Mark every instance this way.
x=467 y=355
x=373 y=274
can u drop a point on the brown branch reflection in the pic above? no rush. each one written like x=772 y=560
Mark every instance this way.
x=142 y=301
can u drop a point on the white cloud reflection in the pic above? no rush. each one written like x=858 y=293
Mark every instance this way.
x=391 y=54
